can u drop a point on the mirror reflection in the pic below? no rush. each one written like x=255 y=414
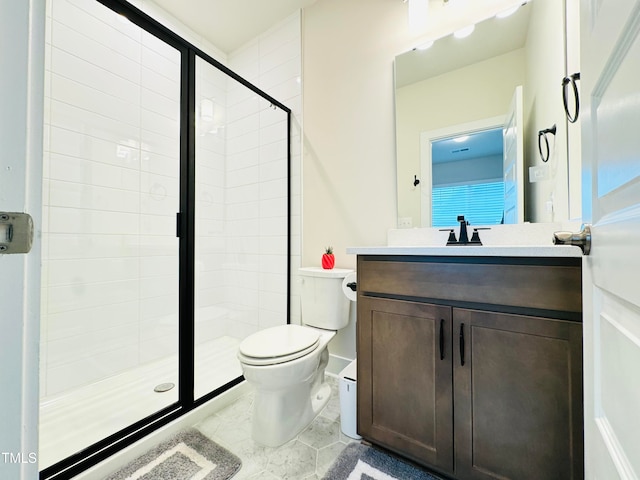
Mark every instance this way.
x=458 y=84
x=466 y=178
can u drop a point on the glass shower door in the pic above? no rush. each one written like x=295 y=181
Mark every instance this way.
x=110 y=253
x=241 y=211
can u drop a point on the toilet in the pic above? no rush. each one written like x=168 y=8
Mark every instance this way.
x=286 y=364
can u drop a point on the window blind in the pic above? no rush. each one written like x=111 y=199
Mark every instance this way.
x=480 y=203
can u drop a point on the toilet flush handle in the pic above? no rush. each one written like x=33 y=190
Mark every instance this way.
x=352 y=286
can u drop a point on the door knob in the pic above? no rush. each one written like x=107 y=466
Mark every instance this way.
x=580 y=239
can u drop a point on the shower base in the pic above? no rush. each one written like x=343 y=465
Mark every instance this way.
x=77 y=419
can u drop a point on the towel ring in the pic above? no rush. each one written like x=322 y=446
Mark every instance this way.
x=566 y=81
x=542 y=134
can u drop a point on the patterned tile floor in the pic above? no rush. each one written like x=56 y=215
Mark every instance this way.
x=308 y=456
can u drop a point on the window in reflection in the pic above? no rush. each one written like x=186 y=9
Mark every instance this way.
x=467 y=172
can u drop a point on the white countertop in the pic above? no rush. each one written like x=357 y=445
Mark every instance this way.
x=519 y=240
x=472 y=251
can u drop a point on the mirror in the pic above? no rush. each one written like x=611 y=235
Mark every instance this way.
x=460 y=83
x=465 y=168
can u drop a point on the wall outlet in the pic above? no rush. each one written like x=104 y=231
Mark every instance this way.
x=539 y=173
x=405 y=222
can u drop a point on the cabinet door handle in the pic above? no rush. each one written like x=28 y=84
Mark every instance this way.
x=462 y=344
x=442 y=339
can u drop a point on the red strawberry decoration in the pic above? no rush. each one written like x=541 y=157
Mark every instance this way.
x=328 y=260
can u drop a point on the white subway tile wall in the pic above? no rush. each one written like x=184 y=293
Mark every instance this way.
x=110 y=283
x=273 y=62
x=111 y=193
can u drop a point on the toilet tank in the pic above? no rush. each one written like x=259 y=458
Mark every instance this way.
x=323 y=303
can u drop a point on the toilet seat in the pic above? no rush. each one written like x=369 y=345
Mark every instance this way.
x=278 y=345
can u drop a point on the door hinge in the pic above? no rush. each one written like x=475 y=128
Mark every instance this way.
x=16 y=232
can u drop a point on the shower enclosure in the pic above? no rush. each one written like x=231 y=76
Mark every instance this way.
x=166 y=228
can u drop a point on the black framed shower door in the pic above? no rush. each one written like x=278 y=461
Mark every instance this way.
x=216 y=109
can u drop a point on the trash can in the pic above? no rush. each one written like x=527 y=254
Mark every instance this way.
x=348 y=417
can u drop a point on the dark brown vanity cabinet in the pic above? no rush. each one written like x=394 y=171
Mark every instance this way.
x=471 y=388
x=404 y=382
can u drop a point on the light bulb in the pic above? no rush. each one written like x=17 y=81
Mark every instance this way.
x=464 y=32
x=425 y=45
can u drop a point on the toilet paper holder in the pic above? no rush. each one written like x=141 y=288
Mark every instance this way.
x=350 y=287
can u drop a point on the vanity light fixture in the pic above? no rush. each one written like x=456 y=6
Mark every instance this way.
x=464 y=32
x=418 y=11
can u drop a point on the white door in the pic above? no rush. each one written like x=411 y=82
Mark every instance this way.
x=513 y=160
x=610 y=94
x=21 y=118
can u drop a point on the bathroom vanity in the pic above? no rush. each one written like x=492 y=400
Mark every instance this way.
x=470 y=359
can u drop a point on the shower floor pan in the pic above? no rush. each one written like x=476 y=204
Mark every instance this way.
x=77 y=419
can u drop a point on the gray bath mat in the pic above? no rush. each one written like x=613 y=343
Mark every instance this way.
x=360 y=462
x=188 y=455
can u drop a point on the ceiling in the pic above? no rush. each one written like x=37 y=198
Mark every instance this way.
x=463 y=147
x=229 y=24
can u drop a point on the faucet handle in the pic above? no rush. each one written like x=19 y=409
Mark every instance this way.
x=452 y=236
x=475 y=237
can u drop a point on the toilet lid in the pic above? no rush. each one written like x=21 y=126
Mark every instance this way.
x=270 y=345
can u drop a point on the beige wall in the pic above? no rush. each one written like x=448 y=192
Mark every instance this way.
x=349 y=174
x=573 y=129
x=543 y=107
x=349 y=149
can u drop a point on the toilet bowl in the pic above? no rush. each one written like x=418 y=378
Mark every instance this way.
x=286 y=364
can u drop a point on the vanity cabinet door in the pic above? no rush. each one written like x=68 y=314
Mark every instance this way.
x=518 y=397
x=405 y=378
